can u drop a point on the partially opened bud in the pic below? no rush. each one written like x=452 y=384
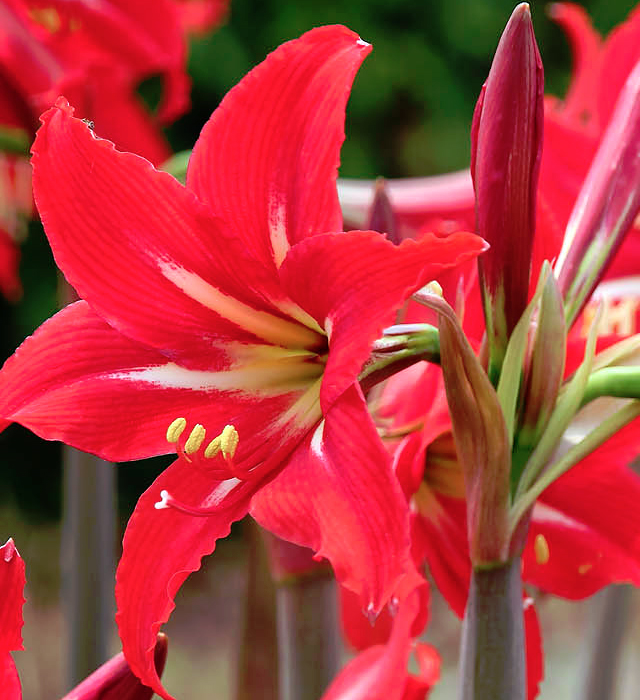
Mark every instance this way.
x=607 y=205
x=116 y=681
x=506 y=147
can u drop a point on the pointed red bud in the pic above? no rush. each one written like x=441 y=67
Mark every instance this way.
x=607 y=205
x=506 y=147
x=116 y=681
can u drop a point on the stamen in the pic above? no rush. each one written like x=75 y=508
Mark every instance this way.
x=226 y=442
x=213 y=447
x=229 y=440
x=195 y=440
x=541 y=549
x=174 y=431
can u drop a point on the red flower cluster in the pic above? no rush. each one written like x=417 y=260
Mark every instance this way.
x=96 y=54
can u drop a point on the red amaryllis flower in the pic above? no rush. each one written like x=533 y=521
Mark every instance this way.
x=96 y=54
x=233 y=306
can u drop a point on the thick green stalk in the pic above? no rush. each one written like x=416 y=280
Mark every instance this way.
x=309 y=643
x=492 y=655
x=603 y=653
x=258 y=665
x=88 y=545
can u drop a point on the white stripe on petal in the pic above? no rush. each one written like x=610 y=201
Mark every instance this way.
x=262 y=324
x=266 y=378
x=543 y=513
x=220 y=493
x=278 y=230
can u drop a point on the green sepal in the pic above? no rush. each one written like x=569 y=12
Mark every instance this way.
x=569 y=401
x=510 y=380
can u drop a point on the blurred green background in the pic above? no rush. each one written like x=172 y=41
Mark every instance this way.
x=409 y=114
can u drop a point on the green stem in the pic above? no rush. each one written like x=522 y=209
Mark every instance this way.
x=88 y=545
x=619 y=382
x=393 y=353
x=308 y=637
x=492 y=655
x=607 y=643
x=258 y=664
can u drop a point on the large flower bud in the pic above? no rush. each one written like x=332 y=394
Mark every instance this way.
x=506 y=147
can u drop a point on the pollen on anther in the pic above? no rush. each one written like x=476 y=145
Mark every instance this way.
x=229 y=440
x=175 y=430
x=195 y=439
x=213 y=447
x=541 y=549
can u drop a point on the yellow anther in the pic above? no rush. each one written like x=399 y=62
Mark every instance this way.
x=226 y=442
x=229 y=440
x=541 y=549
x=584 y=569
x=213 y=447
x=174 y=431
x=195 y=440
x=434 y=288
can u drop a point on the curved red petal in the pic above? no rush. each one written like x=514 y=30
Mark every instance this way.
x=12 y=580
x=267 y=159
x=338 y=496
x=580 y=102
x=9 y=679
x=111 y=396
x=589 y=519
x=380 y=672
x=370 y=278
x=141 y=249
x=160 y=549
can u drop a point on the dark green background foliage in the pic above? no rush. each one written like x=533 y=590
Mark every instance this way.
x=409 y=114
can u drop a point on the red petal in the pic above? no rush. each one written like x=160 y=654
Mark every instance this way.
x=160 y=549
x=12 y=580
x=9 y=679
x=141 y=249
x=533 y=644
x=143 y=38
x=370 y=278
x=619 y=56
x=109 y=395
x=586 y=44
x=589 y=518
x=267 y=159
x=114 y=680
x=349 y=510
x=120 y=116
x=380 y=673
x=440 y=532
